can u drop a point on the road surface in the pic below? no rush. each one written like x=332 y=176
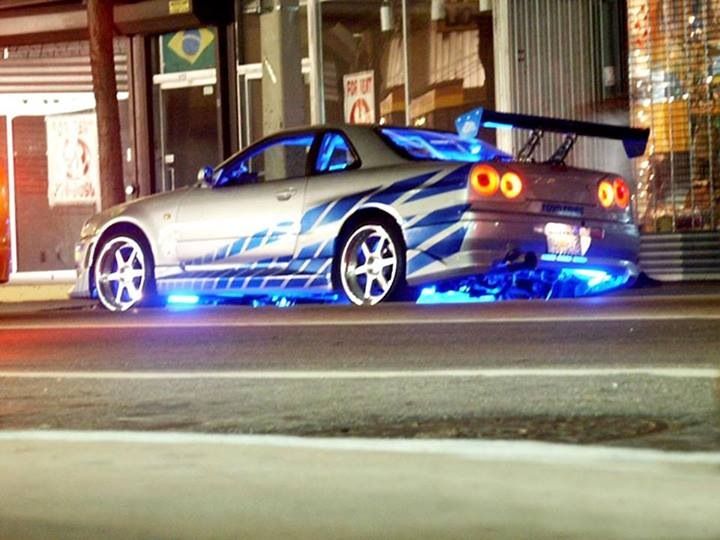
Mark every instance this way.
x=226 y=421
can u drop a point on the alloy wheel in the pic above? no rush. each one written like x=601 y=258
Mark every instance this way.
x=369 y=265
x=120 y=273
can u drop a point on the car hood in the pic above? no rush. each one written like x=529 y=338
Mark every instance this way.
x=136 y=210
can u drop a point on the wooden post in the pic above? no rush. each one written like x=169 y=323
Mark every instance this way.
x=102 y=62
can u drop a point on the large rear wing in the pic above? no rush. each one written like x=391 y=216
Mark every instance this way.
x=634 y=139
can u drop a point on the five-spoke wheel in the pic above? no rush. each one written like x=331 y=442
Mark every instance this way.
x=372 y=263
x=123 y=273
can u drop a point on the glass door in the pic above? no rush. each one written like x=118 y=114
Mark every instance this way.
x=189 y=133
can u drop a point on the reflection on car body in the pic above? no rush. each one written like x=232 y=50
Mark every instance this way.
x=368 y=213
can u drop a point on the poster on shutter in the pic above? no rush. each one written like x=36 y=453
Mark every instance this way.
x=360 y=97
x=72 y=153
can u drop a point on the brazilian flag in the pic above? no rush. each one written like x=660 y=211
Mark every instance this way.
x=188 y=50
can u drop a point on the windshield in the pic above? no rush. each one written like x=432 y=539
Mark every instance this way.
x=422 y=144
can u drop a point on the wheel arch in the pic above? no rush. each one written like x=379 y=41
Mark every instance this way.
x=371 y=212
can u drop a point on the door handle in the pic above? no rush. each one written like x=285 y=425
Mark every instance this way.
x=285 y=194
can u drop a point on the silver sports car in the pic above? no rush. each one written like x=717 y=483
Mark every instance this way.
x=369 y=213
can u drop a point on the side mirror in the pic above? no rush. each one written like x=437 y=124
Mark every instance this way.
x=205 y=176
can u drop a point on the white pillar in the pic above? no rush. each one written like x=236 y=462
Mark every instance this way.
x=503 y=61
x=282 y=80
x=406 y=58
x=315 y=55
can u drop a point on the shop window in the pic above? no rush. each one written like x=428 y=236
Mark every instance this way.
x=675 y=91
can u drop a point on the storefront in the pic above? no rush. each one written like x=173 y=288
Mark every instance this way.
x=171 y=114
x=196 y=86
x=49 y=148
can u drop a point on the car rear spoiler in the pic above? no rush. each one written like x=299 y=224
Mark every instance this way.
x=634 y=139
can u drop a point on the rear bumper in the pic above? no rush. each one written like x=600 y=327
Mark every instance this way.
x=489 y=239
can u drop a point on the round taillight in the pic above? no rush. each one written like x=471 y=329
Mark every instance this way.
x=606 y=194
x=511 y=185
x=622 y=193
x=484 y=180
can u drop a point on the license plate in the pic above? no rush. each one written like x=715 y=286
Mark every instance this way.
x=563 y=239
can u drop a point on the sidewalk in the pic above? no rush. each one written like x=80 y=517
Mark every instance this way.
x=184 y=485
x=38 y=292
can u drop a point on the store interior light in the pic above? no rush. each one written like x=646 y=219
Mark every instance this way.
x=437 y=10
x=387 y=19
x=484 y=5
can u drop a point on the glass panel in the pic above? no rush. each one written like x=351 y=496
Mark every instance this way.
x=452 y=62
x=278 y=159
x=363 y=62
x=191 y=133
x=422 y=145
x=675 y=91
x=335 y=154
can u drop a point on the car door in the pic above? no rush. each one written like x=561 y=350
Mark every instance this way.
x=250 y=214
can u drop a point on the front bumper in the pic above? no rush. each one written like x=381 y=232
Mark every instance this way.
x=84 y=252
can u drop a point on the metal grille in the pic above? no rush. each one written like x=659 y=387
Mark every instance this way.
x=675 y=90
x=557 y=70
x=57 y=67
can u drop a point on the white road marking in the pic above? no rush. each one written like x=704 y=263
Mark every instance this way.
x=678 y=373
x=505 y=451
x=171 y=322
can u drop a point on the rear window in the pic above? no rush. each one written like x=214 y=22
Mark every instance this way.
x=420 y=144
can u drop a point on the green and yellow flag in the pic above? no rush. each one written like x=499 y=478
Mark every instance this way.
x=188 y=50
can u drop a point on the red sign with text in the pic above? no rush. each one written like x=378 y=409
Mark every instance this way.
x=360 y=97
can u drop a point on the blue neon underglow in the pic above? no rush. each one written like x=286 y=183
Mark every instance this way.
x=183 y=299
x=596 y=280
x=592 y=277
x=497 y=125
x=430 y=295
x=436 y=145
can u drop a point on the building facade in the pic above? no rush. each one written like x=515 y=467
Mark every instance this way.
x=198 y=83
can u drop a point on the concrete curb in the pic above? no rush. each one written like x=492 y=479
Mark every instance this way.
x=34 y=292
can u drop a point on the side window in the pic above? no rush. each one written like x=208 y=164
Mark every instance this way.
x=278 y=159
x=335 y=154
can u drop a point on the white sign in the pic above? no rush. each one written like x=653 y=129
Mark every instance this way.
x=360 y=97
x=72 y=153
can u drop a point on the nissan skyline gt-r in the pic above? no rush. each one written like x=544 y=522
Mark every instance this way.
x=370 y=213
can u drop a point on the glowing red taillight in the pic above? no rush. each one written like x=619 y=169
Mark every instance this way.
x=484 y=179
x=622 y=193
x=511 y=185
x=606 y=194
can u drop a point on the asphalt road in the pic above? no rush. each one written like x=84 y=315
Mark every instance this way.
x=628 y=370
x=636 y=372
